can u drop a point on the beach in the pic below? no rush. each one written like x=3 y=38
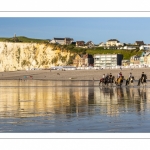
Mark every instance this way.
x=58 y=75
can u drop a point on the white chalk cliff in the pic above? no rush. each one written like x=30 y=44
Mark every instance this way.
x=24 y=56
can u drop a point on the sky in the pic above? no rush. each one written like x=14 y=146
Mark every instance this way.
x=95 y=29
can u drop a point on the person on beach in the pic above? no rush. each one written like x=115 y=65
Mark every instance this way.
x=110 y=75
x=129 y=79
x=143 y=75
x=102 y=80
x=119 y=75
x=111 y=78
x=142 y=79
x=130 y=76
x=103 y=76
x=107 y=76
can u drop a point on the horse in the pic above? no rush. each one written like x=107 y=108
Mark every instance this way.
x=107 y=80
x=110 y=80
x=119 y=81
x=102 y=80
x=142 y=80
x=130 y=80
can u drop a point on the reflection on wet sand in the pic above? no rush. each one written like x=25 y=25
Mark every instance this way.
x=24 y=100
x=124 y=99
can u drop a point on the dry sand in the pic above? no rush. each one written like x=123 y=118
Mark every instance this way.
x=70 y=74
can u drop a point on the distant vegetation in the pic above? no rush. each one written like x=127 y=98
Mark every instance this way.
x=98 y=50
x=126 y=53
x=23 y=39
x=73 y=49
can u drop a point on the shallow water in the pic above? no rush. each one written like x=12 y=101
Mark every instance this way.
x=73 y=106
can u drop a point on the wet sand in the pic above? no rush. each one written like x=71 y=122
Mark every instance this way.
x=91 y=74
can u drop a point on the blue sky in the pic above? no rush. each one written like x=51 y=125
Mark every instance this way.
x=96 y=29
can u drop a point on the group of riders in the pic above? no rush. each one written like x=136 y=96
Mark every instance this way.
x=110 y=79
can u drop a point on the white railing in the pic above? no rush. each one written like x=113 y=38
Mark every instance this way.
x=114 y=67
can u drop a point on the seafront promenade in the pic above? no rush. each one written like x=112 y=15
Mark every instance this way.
x=58 y=75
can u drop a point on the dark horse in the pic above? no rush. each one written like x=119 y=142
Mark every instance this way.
x=130 y=80
x=142 y=80
x=107 y=80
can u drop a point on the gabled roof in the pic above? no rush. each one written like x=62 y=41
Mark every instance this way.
x=84 y=56
x=68 y=39
x=113 y=40
x=59 y=38
x=89 y=42
x=80 y=42
x=139 y=42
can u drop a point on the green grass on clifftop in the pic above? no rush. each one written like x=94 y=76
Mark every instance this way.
x=98 y=50
x=126 y=53
x=22 y=39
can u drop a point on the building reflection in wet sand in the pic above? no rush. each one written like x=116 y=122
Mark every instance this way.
x=24 y=100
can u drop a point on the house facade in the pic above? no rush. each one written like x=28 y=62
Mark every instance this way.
x=102 y=44
x=125 y=62
x=76 y=61
x=83 y=60
x=62 y=41
x=147 y=59
x=139 y=43
x=107 y=60
x=144 y=47
x=129 y=47
x=112 y=42
x=80 y=43
x=135 y=60
x=89 y=44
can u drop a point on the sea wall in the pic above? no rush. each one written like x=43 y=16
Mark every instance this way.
x=25 y=56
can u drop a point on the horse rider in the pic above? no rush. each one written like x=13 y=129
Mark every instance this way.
x=110 y=75
x=107 y=75
x=130 y=76
x=119 y=75
x=129 y=79
x=110 y=78
x=142 y=76
x=103 y=76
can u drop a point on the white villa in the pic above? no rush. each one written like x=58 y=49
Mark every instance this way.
x=112 y=42
x=62 y=41
x=145 y=47
x=129 y=47
x=102 y=44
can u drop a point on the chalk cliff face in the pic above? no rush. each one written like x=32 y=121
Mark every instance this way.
x=21 y=56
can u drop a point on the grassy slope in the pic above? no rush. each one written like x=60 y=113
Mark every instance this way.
x=126 y=53
x=23 y=39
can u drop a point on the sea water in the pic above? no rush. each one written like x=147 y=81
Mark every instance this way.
x=36 y=106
